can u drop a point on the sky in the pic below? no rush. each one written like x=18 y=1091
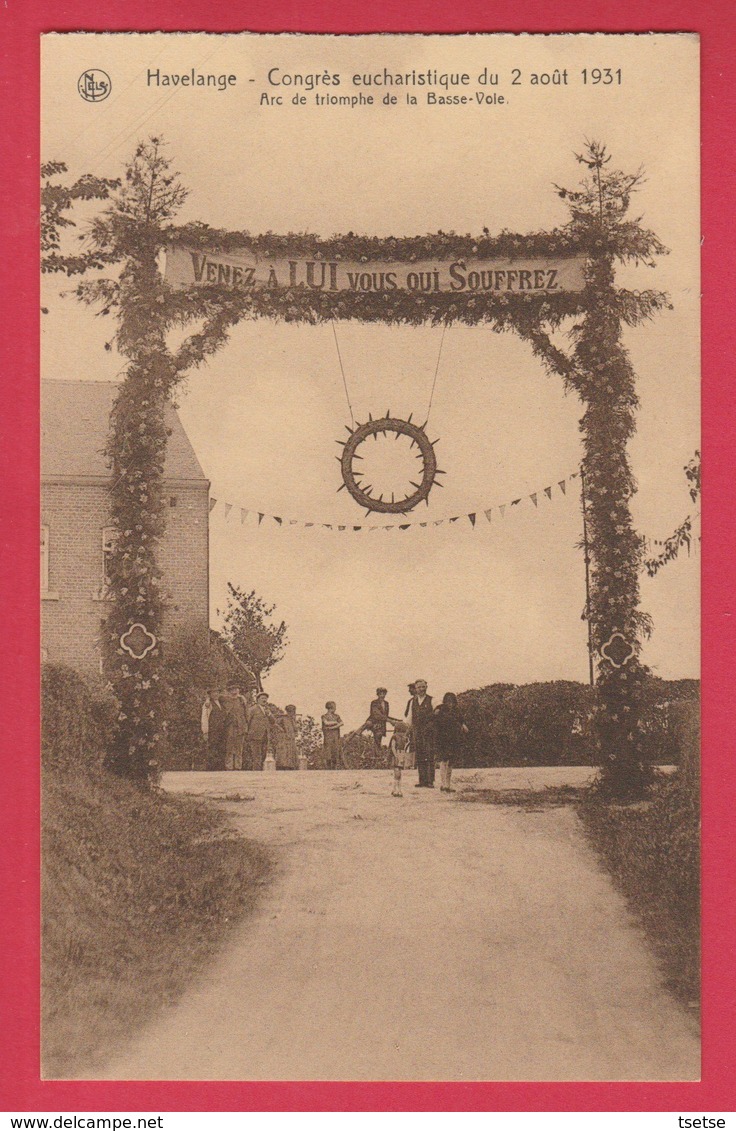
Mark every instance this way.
x=457 y=605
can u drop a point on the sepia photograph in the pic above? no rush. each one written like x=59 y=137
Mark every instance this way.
x=370 y=557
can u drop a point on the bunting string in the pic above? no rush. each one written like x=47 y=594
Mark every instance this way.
x=268 y=521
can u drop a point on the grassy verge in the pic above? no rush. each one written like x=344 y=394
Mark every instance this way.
x=138 y=891
x=532 y=800
x=652 y=851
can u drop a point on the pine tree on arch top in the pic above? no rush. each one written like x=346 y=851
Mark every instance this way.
x=539 y=286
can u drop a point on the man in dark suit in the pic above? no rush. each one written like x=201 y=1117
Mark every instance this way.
x=422 y=723
x=259 y=726
x=235 y=727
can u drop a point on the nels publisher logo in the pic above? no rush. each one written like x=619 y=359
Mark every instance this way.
x=94 y=85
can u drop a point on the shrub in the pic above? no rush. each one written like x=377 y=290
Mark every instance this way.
x=653 y=853
x=550 y=723
x=484 y=746
x=77 y=719
x=533 y=724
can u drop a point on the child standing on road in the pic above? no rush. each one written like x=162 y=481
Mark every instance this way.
x=331 y=723
x=397 y=754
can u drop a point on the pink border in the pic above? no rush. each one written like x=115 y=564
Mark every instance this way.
x=22 y=21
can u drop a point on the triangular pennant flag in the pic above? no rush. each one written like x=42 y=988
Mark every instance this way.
x=548 y=492
x=261 y=517
x=405 y=526
x=357 y=528
x=562 y=486
x=438 y=522
x=472 y=518
x=515 y=502
x=308 y=524
x=293 y=522
x=455 y=519
x=502 y=509
x=533 y=497
x=488 y=513
x=228 y=508
x=423 y=524
x=327 y=526
x=243 y=515
x=342 y=528
x=213 y=504
x=574 y=475
x=388 y=528
x=277 y=519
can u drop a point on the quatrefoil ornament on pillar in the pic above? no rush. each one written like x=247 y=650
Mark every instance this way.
x=617 y=650
x=138 y=641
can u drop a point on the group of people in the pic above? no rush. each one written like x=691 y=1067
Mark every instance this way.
x=238 y=728
x=425 y=735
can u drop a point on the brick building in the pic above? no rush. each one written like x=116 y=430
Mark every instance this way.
x=75 y=524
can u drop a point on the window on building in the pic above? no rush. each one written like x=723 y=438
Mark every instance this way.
x=109 y=538
x=44 y=559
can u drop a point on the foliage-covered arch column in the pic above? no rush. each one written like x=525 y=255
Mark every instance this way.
x=600 y=372
x=131 y=233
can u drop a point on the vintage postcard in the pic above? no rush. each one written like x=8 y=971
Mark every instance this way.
x=370 y=546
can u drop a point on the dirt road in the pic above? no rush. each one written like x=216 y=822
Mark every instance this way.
x=419 y=938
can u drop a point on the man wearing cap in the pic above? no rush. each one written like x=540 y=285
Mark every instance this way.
x=259 y=725
x=235 y=728
x=422 y=723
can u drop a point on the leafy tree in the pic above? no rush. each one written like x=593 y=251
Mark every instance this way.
x=309 y=740
x=258 y=642
x=57 y=201
x=683 y=535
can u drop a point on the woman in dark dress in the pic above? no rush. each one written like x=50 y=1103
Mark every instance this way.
x=450 y=730
x=289 y=726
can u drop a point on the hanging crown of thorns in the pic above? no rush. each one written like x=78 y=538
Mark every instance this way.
x=359 y=433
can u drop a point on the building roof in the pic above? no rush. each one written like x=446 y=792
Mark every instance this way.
x=74 y=425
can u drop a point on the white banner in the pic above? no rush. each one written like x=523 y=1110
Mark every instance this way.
x=244 y=270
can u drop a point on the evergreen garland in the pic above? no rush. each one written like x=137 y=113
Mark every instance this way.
x=138 y=226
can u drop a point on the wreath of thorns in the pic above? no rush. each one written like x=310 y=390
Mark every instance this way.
x=362 y=493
